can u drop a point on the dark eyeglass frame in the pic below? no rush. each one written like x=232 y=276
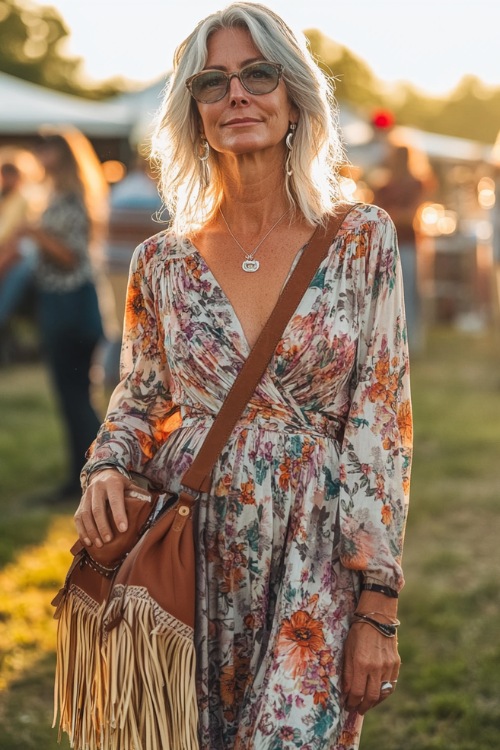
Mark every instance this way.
x=278 y=67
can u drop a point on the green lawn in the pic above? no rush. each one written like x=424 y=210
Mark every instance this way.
x=448 y=695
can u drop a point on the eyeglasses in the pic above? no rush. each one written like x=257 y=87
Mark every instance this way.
x=211 y=86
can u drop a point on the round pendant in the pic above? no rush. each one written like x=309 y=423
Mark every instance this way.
x=250 y=266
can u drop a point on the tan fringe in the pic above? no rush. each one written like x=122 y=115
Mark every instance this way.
x=130 y=689
x=149 y=664
x=78 y=680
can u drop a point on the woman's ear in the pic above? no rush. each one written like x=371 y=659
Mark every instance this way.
x=294 y=114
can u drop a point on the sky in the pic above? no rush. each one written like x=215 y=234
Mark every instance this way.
x=431 y=43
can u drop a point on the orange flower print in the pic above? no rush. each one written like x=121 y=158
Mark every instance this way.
x=307 y=452
x=284 y=477
x=387 y=444
x=357 y=544
x=301 y=636
x=193 y=267
x=286 y=350
x=405 y=423
x=231 y=580
x=406 y=485
x=164 y=426
x=360 y=247
x=382 y=370
x=135 y=313
x=249 y=621
x=146 y=445
x=321 y=698
x=227 y=686
x=385 y=387
x=233 y=680
x=223 y=485
x=247 y=496
x=376 y=392
x=386 y=514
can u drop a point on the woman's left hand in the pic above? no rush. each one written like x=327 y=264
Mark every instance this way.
x=370 y=659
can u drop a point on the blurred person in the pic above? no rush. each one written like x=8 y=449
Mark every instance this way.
x=69 y=316
x=135 y=205
x=16 y=267
x=299 y=540
x=400 y=196
x=13 y=203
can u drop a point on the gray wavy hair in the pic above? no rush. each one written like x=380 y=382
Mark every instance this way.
x=189 y=196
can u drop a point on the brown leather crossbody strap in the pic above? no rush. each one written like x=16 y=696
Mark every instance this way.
x=197 y=477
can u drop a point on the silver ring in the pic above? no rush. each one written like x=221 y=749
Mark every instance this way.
x=386 y=686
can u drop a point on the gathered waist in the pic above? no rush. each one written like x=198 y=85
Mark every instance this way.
x=313 y=424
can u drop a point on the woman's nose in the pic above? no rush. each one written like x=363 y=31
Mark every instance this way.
x=237 y=91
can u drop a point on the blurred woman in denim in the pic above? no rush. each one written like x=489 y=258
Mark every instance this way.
x=68 y=310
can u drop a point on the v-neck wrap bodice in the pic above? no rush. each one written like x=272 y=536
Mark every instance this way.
x=310 y=491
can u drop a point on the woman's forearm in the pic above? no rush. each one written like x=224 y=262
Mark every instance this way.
x=54 y=248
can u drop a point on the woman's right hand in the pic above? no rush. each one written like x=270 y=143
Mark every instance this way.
x=105 y=491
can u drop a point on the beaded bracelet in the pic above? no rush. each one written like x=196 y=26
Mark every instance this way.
x=385 y=628
x=392 y=593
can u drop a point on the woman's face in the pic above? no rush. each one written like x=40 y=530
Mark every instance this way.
x=243 y=123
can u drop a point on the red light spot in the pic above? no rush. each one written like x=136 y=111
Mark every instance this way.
x=383 y=119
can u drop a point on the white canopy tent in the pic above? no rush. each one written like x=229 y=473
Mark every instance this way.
x=25 y=107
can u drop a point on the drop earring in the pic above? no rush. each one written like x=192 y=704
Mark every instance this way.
x=203 y=155
x=205 y=152
x=289 y=145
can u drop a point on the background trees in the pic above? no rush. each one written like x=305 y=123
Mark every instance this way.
x=32 y=44
x=32 y=47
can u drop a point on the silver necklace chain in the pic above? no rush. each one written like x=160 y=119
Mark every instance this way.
x=249 y=264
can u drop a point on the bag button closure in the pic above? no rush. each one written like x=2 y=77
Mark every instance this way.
x=183 y=510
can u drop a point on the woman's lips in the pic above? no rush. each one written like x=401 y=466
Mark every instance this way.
x=241 y=121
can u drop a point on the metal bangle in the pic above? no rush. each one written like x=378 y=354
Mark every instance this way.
x=386 y=629
x=392 y=620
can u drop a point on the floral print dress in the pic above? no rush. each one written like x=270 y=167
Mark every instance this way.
x=309 y=495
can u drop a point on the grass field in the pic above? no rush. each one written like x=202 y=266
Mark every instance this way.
x=448 y=695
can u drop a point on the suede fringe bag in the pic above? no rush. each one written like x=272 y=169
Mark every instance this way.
x=125 y=675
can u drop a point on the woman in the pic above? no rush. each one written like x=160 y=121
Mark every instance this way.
x=401 y=197
x=68 y=310
x=303 y=526
x=14 y=273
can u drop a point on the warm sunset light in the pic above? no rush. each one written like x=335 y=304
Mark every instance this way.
x=434 y=220
x=138 y=42
x=150 y=219
x=486 y=192
x=114 y=170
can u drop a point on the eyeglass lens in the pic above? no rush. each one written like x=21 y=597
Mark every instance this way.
x=213 y=85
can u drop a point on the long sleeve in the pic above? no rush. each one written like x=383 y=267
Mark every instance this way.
x=376 y=451
x=141 y=414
